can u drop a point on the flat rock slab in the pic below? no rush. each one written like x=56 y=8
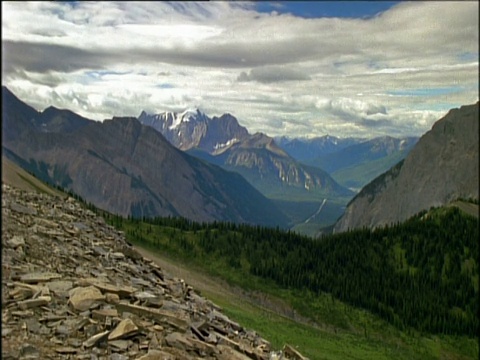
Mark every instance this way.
x=81 y=298
x=102 y=314
x=156 y=314
x=33 y=278
x=124 y=329
x=121 y=291
x=60 y=286
x=33 y=303
x=95 y=339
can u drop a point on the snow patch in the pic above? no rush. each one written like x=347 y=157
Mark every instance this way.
x=185 y=116
x=228 y=143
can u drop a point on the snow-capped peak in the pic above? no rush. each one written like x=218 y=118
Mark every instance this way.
x=184 y=116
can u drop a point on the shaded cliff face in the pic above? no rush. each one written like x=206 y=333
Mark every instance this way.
x=130 y=169
x=443 y=166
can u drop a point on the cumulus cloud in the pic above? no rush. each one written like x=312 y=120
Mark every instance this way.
x=351 y=109
x=395 y=73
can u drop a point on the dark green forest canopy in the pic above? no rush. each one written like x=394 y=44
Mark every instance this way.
x=422 y=273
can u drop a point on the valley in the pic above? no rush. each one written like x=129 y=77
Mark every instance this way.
x=250 y=277
x=248 y=180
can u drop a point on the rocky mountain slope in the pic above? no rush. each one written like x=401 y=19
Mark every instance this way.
x=222 y=141
x=272 y=171
x=443 y=166
x=73 y=288
x=124 y=167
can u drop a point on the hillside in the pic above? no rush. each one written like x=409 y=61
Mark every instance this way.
x=324 y=326
x=14 y=175
x=442 y=167
x=420 y=277
x=72 y=286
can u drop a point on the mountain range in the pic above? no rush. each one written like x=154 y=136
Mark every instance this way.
x=311 y=180
x=307 y=149
x=442 y=167
x=126 y=168
x=212 y=169
x=224 y=142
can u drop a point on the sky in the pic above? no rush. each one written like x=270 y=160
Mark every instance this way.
x=297 y=69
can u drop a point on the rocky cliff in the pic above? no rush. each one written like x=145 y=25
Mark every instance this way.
x=73 y=288
x=443 y=166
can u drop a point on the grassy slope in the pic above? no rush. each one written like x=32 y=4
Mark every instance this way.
x=14 y=175
x=341 y=331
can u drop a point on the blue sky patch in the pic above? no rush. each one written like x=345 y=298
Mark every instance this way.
x=468 y=56
x=318 y=9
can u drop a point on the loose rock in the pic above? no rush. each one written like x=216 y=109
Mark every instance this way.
x=73 y=288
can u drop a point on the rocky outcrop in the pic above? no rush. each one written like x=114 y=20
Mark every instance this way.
x=442 y=167
x=73 y=288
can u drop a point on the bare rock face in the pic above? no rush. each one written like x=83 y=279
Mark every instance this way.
x=442 y=167
x=72 y=288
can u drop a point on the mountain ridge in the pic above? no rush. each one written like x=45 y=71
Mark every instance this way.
x=443 y=166
x=124 y=167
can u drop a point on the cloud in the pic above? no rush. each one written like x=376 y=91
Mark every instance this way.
x=395 y=73
x=350 y=108
x=273 y=74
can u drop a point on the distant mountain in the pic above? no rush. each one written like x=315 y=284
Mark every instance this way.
x=356 y=165
x=442 y=166
x=274 y=172
x=363 y=152
x=305 y=149
x=193 y=129
x=126 y=168
x=222 y=141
